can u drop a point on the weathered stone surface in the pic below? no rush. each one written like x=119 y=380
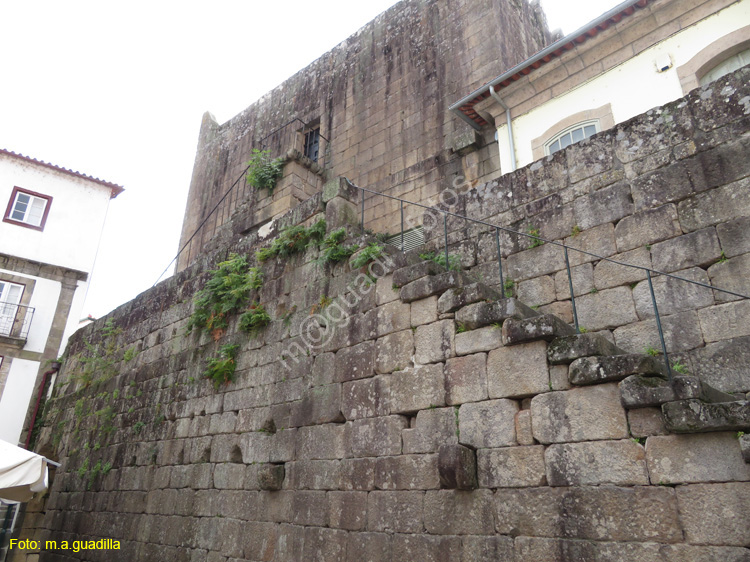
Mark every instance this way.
x=524 y=434
x=407 y=472
x=324 y=544
x=673 y=295
x=487 y=548
x=597 y=241
x=697 y=248
x=466 y=377
x=435 y=342
x=642 y=391
x=620 y=462
x=645 y=422
x=482 y=314
x=694 y=416
x=542 y=260
x=595 y=370
x=745 y=447
x=355 y=362
x=406 y=275
x=449 y=512
x=417 y=388
x=671 y=183
x=582 y=277
x=481 y=339
x=580 y=414
x=320 y=404
x=734 y=236
x=426 y=547
x=537 y=291
x=681 y=332
x=433 y=285
x=340 y=212
x=271 y=477
x=358 y=474
x=393 y=317
x=545 y=327
x=703 y=457
x=569 y=348
x=394 y=352
x=313 y=475
x=724 y=365
x=716 y=206
x=647 y=227
x=731 y=275
x=395 y=511
x=366 y=398
x=453 y=299
x=558 y=377
x=606 y=309
x=434 y=427
x=603 y=206
x=324 y=370
x=488 y=424
x=328 y=441
x=375 y=437
x=347 y=510
x=518 y=371
x=608 y=274
x=424 y=311
x=591 y=512
x=511 y=467
x=385 y=291
x=457 y=467
x=373 y=547
x=715 y=513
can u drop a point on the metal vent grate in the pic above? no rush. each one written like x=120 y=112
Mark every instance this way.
x=413 y=238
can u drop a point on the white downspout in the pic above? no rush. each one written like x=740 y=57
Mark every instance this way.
x=499 y=100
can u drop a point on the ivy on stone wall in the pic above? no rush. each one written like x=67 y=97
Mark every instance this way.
x=263 y=171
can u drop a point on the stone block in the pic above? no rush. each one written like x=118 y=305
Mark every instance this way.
x=597 y=241
x=450 y=512
x=633 y=514
x=544 y=327
x=424 y=311
x=374 y=437
x=320 y=404
x=563 y=310
x=407 y=472
x=322 y=545
x=433 y=285
x=715 y=513
x=394 y=351
x=606 y=309
x=695 y=416
x=537 y=291
x=271 y=477
x=518 y=371
x=310 y=507
x=417 y=388
x=340 y=212
x=373 y=547
x=393 y=317
x=647 y=227
x=340 y=187
x=644 y=391
x=435 y=342
x=622 y=463
x=511 y=467
x=385 y=291
x=645 y=422
x=481 y=339
x=426 y=547
x=567 y=349
x=596 y=370
x=604 y=206
x=731 y=275
x=724 y=365
x=524 y=434
x=366 y=398
x=608 y=274
x=719 y=205
x=358 y=474
x=482 y=314
x=356 y=362
x=745 y=447
x=580 y=414
x=734 y=236
x=328 y=441
x=698 y=248
x=703 y=457
x=457 y=467
x=323 y=370
x=313 y=475
x=670 y=183
x=433 y=427
x=535 y=262
x=347 y=510
x=466 y=377
x=453 y=299
x=682 y=331
x=488 y=548
x=411 y=273
x=488 y=424
x=395 y=511
x=583 y=282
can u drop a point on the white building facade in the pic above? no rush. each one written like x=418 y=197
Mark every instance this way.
x=49 y=236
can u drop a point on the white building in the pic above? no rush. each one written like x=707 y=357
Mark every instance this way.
x=639 y=55
x=49 y=235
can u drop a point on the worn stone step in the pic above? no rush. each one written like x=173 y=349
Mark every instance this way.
x=544 y=327
x=567 y=349
x=453 y=299
x=639 y=391
x=482 y=314
x=410 y=273
x=433 y=285
x=695 y=416
x=595 y=370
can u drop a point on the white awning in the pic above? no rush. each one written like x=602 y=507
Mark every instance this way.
x=22 y=473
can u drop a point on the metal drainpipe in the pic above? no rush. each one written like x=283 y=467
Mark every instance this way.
x=499 y=100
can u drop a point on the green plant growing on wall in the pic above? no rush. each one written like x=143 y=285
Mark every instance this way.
x=84 y=468
x=332 y=250
x=221 y=369
x=255 y=319
x=292 y=240
x=138 y=427
x=534 y=232
x=454 y=262
x=263 y=171
x=100 y=359
x=369 y=253
x=508 y=288
x=129 y=354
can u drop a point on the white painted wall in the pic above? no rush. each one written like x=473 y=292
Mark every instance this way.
x=16 y=398
x=71 y=234
x=631 y=88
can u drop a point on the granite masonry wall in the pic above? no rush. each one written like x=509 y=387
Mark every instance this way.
x=404 y=412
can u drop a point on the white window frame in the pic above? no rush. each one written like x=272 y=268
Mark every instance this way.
x=728 y=65
x=582 y=125
x=9 y=309
x=24 y=217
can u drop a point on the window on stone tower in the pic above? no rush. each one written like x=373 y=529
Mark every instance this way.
x=726 y=66
x=312 y=144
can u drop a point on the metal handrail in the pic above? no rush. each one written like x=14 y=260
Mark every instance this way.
x=15 y=320
x=649 y=271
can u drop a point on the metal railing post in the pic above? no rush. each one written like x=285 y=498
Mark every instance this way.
x=363 y=210
x=658 y=325
x=499 y=262
x=402 y=225
x=572 y=293
x=445 y=233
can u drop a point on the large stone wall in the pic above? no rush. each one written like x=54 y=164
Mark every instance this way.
x=381 y=99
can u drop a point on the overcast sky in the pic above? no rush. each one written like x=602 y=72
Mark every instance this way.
x=116 y=90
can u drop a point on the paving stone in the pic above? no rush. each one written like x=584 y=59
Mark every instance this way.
x=434 y=285
x=424 y=311
x=407 y=472
x=511 y=467
x=569 y=348
x=488 y=424
x=608 y=274
x=395 y=511
x=622 y=463
x=682 y=331
x=433 y=427
x=394 y=351
x=375 y=437
x=393 y=317
x=456 y=512
x=596 y=370
x=518 y=371
x=481 y=339
x=606 y=309
x=466 y=377
x=715 y=513
x=366 y=398
x=580 y=414
x=457 y=467
x=453 y=299
x=731 y=275
x=699 y=248
x=647 y=227
x=482 y=314
x=544 y=327
x=694 y=416
x=435 y=342
x=644 y=422
x=703 y=457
